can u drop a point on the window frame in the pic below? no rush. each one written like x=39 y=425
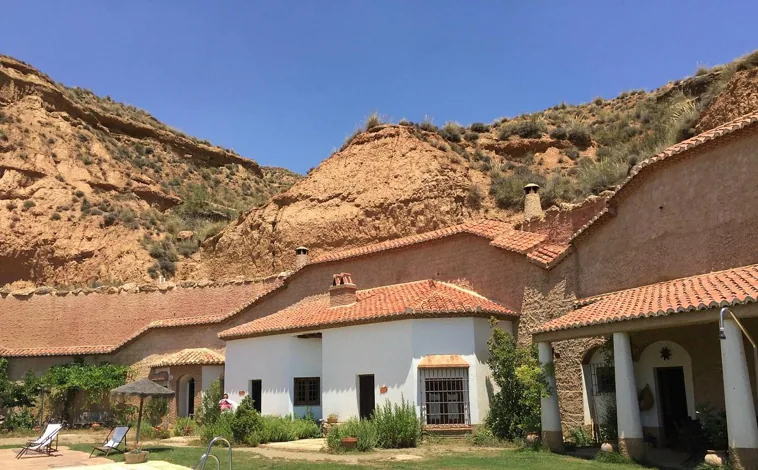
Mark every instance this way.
x=445 y=381
x=307 y=401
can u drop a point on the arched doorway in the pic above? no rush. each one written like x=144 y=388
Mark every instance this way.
x=186 y=396
x=666 y=368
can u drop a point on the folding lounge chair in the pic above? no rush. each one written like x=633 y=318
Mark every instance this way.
x=44 y=443
x=113 y=441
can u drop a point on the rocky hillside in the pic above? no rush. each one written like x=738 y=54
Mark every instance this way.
x=95 y=192
x=392 y=180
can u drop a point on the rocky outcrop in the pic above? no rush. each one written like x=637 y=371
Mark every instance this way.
x=738 y=98
x=386 y=183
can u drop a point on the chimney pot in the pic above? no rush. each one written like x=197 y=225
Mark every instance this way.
x=342 y=291
x=532 y=204
x=301 y=257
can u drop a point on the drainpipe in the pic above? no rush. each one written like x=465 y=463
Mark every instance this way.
x=722 y=336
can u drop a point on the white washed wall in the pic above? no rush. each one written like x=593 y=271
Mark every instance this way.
x=276 y=361
x=211 y=373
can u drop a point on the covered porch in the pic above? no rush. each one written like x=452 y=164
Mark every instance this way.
x=672 y=350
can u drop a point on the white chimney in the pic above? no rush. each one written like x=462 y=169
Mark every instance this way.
x=342 y=291
x=301 y=257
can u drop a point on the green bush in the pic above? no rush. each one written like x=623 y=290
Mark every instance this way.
x=364 y=430
x=276 y=429
x=612 y=457
x=479 y=127
x=451 y=132
x=398 y=425
x=579 y=437
x=524 y=128
x=185 y=426
x=55 y=216
x=579 y=135
x=19 y=420
x=572 y=153
x=373 y=120
x=474 y=197
x=209 y=410
x=246 y=425
x=483 y=437
x=515 y=409
x=155 y=410
x=10 y=205
x=28 y=204
x=221 y=427
x=559 y=133
x=713 y=423
x=606 y=173
x=471 y=136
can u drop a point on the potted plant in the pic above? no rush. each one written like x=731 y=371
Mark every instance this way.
x=713 y=424
x=349 y=442
x=332 y=418
x=136 y=455
x=609 y=426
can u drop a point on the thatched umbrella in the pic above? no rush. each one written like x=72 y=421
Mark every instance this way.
x=142 y=388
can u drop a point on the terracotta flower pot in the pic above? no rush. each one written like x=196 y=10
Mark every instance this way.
x=136 y=457
x=331 y=420
x=608 y=447
x=349 y=442
x=715 y=458
x=532 y=438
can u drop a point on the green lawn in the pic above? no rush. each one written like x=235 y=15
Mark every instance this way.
x=526 y=460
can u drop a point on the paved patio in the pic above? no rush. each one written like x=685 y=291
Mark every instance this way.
x=73 y=460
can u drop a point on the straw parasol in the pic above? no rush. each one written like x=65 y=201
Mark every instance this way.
x=142 y=388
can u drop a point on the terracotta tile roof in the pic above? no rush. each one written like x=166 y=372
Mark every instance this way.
x=396 y=302
x=196 y=356
x=548 y=256
x=100 y=323
x=748 y=123
x=484 y=228
x=518 y=241
x=717 y=289
x=442 y=360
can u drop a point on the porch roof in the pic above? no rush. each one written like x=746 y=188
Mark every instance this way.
x=420 y=299
x=734 y=286
x=191 y=356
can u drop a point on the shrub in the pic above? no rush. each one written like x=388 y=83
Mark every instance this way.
x=580 y=437
x=373 y=120
x=483 y=437
x=479 y=127
x=185 y=426
x=364 y=430
x=428 y=125
x=471 y=136
x=28 y=204
x=515 y=409
x=571 y=152
x=579 y=135
x=155 y=410
x=594 y=178
x=474 y=197
x=524 y=128
x=713 y=423
x=612 y=457
x=79 y=194
x=559 y=133
x=109 y=219
x=209 y=411
x=397 y=425
x=10 y=205
x=451 y=131
x=222 y=427
x=246 y=424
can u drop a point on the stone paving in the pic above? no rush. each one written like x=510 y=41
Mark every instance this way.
x=72 y=460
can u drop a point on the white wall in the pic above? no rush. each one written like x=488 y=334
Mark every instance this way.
x=644 y=372
x=209 y=374
x=276 y=361
x=390 y=351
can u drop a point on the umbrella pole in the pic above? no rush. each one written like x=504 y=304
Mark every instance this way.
x=139 y=418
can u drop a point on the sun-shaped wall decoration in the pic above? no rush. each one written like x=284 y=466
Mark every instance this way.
x=665 y=353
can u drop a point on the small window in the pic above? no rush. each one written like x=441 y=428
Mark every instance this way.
x=308 y=391
x=445 y=397
x=604 y=379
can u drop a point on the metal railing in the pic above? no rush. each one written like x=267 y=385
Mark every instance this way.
x=204 y=458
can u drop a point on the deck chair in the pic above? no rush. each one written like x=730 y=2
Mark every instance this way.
x=44 y=443
x=112 y=441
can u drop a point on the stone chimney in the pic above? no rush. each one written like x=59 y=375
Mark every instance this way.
x=342 y=291
x=301 y=257
x=532 y=205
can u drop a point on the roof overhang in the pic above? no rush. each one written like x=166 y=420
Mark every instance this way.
x=679 y=319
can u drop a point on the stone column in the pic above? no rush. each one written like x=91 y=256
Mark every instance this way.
x=552 y=437
x=738 y=398
x=631 y=443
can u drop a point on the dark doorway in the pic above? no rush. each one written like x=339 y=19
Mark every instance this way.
x=366 y=403
x=256 y=387
x=673 y=402
x=191 y=397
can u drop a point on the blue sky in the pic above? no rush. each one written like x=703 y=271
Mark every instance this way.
x=285 y=82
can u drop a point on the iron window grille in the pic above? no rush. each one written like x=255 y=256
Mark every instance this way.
x=307 y=391
x=603 y=379
x=444 y=396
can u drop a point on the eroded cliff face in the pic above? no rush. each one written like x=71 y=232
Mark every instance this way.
x=387 y=183
x=740 y=97
x=88 y=186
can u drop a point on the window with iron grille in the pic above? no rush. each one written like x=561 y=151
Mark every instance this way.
x=307 y=391
x=603 y=379
x=444 y=396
